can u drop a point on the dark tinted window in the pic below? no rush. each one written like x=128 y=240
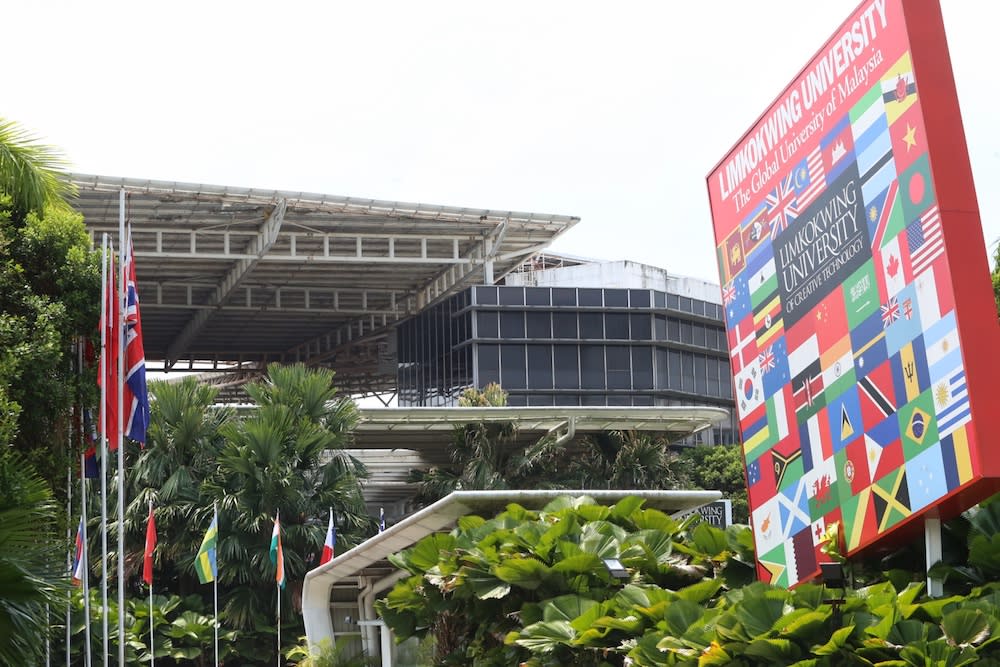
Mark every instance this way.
x=566 y=367
x=564 y=325
x=616 y=326
x=591 y=297
x=616 y=298
x=511 y=296
x=536 y=296
x=619 y=367
x=592 y=366
x=512 y=324
x=513 y=373
x=489 y=364
x=540 y=367
x=539 y=325
x=642 y=368
x=563 y=296
x=487 y=325
x=639 y=298
x=486 y=295
x=591 y=326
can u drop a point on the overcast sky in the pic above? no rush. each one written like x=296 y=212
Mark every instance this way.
x=613 y=112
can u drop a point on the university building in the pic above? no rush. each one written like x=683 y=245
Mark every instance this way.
x=571 y=332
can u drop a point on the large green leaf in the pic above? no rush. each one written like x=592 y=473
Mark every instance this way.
x=701 y=591
x=427 y=553
x=565 y=607
x=680 y=615
x=709 y=540
x=760 y=612
x=966 y=627
x=581 y=563
x=838 y=640
x=522 y=572
x=544 y=636
x=773 y=651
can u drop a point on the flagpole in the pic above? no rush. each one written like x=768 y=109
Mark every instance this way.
x=121 y=429
x=278 y=588
x=69 y=554
x=85 y=582
x=215 y=586
x=104 y=445
x=152 y=648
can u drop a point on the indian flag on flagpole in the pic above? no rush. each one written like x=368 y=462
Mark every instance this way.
x=277 y=557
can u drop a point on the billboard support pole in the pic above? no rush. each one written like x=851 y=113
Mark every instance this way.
x=932 y=543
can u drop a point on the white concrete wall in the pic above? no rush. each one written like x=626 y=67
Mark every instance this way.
x=619 y=274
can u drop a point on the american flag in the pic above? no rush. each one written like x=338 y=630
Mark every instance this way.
x=810 y=179
x=890 y=312
x=135 y=399
x=781 y=205
x=925 y=240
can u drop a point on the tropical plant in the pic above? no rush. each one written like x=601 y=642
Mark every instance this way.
x=529 y=588
x=32 y=561
x=340 y=653
x=285 y=457
x=30 y=171
x=624 y=460
x=720 y=468
x=498 y=591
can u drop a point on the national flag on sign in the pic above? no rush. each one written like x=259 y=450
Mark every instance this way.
x=885 y=216
x=330 y=544
x=890 y=312
x=951 y=401
x=925 y=240
x=782 y=208
x=837 y=148
x=755 y=230
x=276 y=554
x=79 y=556
x=147 y=558
x=872 y=144
x=135 y=399
x=809 y=179
x=728 y=293
x=742 y=344
x=899 y=88
x=381 y=519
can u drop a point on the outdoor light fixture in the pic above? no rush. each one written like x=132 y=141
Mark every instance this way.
x=615 y=568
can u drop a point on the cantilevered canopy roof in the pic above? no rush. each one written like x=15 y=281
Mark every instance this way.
x=231 y=275
x=393 y=441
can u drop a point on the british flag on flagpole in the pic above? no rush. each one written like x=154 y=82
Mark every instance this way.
x=135 y=399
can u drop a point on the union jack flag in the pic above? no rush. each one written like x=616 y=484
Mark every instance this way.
x=890 y=312
x=766 y=359
x=729 y=293
x=782 y=205
x=135 y=399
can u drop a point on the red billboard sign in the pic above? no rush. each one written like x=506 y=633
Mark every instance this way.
x=862 y=328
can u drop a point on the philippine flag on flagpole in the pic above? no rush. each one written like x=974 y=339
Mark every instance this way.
x=135 y=399
x=330 y=545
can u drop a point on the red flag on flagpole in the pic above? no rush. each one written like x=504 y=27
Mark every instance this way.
x=147 y=561
x=110 y=326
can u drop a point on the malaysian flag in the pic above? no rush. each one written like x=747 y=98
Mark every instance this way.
x=925 y=240
x=809 y=179
x=135 y=400
x=781 y=205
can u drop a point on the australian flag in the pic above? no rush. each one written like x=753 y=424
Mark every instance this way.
x=135 y=400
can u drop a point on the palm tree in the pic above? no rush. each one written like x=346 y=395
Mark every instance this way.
x=286 y=456
x=625 y=460
x=182 y=444
x=488 y=456
x=30 y=171
x=32 y=576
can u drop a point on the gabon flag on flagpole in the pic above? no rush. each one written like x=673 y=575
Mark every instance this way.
x=330 y=545
x=147 y=560
x=277 y=556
